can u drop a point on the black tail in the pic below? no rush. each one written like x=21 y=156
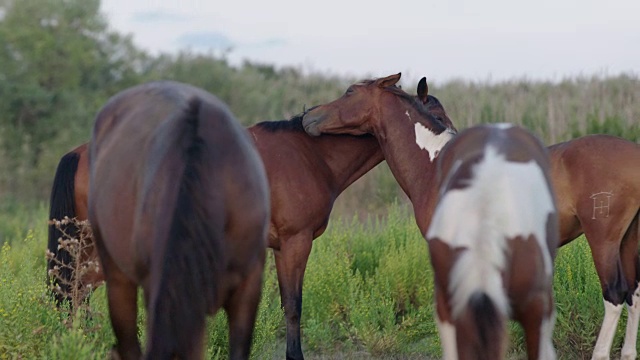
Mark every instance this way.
x=62 y=203
x=189 y=266
x=486 y=331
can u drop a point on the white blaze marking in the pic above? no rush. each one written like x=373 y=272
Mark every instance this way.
x=447 y=339
x=607 y=331
x=429 y=141
x=503 y=200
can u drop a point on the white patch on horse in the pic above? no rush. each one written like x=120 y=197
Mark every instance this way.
x=503 y=200
x=601 y=203
x=631 y=334
x=501 y=126
x=607 y=331
x=545 y=347
x=429 y=141
x=447 y=339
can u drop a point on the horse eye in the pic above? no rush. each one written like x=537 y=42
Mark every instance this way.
x=349 y=91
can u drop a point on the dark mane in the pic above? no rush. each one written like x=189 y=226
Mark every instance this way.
x=293 y=124
x=432 y=101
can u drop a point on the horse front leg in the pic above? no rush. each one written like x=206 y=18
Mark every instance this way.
x=291 y=262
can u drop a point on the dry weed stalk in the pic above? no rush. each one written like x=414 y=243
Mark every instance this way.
x=66 y=277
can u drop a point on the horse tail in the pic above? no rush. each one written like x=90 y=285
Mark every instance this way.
x=479 y=302
x=62 y=203
x=483 y=326
x=188 y=266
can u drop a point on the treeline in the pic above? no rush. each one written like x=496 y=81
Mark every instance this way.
x=60 y=62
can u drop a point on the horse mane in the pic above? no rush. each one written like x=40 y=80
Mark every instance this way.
x=417 y=105
x=397 y=90
x=293 y=124
x=432 y=102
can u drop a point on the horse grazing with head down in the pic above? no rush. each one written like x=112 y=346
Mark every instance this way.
x=492 y=241
x=179 y=205
x=306 y=175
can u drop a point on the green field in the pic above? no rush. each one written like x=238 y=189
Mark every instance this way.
x=368 y=293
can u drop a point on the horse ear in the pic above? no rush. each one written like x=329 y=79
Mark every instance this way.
x=388 y=81
x=423 y=90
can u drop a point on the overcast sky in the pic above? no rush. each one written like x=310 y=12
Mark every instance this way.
x=443 y=40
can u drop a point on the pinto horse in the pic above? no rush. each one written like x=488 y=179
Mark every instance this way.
x=179 y=205
x=492 y=241
x=595 y=179
x=306 y=174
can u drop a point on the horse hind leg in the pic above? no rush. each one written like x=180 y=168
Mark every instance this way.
x=446 y=329
x=242 y=309
x=537 y=317
x=629 y=348
x=629 y=254
x=605 y=244
x=122 y=295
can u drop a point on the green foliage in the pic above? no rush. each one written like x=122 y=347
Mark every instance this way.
x=58 y=64
x=612 y=125
x=579 y=302
x=75 y=342
x=368 y=291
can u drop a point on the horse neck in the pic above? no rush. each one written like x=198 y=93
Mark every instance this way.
x=348 y=157
x=413 y=167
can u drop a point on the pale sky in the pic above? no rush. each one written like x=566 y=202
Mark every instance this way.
x=475 y=40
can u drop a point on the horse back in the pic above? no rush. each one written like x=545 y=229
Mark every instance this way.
x=495 y=196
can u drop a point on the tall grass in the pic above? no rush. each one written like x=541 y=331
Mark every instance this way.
x=368 y=293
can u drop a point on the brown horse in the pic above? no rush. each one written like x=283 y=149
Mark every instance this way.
x=597 y=183
x=409 y=136
x=179 y=205
x=492 y=241
x=306 y=174
x=595 y=179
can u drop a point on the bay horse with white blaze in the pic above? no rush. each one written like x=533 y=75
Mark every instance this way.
x=595 y=179
x=179 y=205
x=492 y=241
x=306 y=175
